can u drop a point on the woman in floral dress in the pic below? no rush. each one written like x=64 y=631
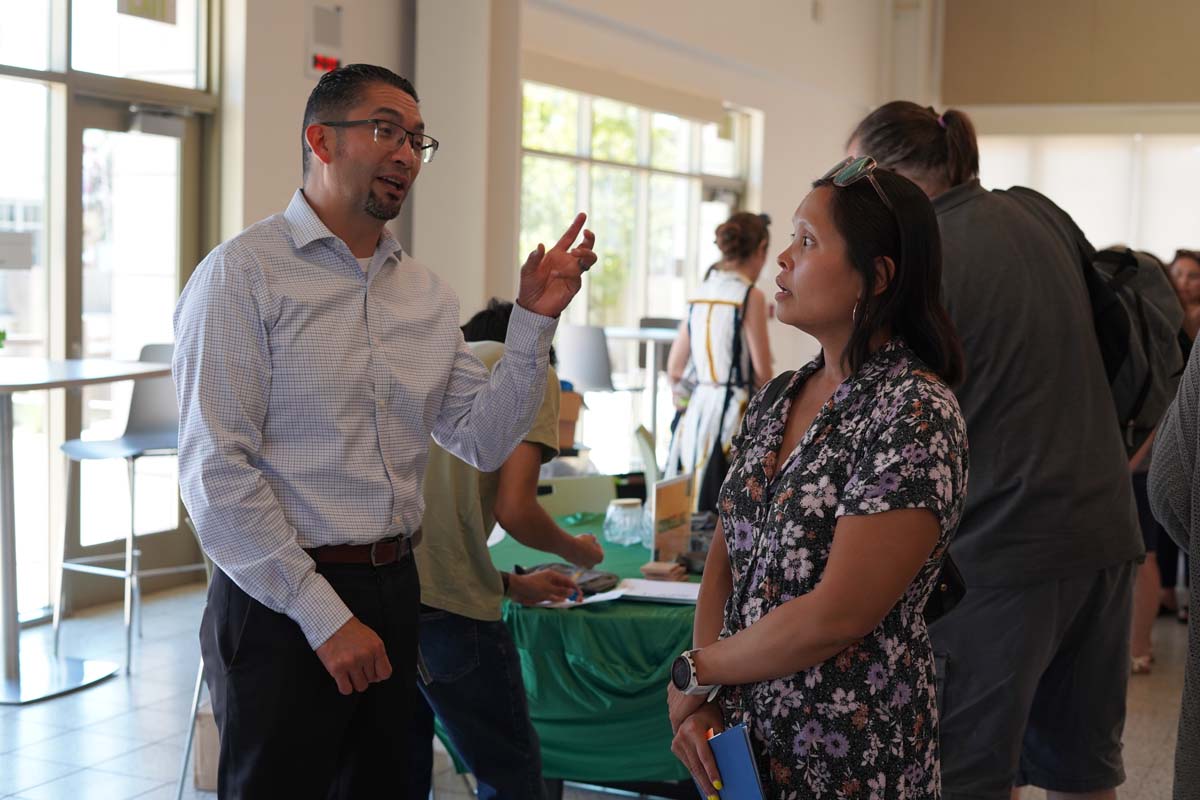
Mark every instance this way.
x=839 y=505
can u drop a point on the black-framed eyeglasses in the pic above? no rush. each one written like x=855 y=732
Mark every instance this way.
x=853 y=169
x=392 y=136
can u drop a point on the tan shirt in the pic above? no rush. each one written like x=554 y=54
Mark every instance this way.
x=456 y=569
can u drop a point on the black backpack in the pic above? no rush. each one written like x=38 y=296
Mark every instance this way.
x=1137 y=317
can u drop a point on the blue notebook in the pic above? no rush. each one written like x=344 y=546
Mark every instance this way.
x=735 y=762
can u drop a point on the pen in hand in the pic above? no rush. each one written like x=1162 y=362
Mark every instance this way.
x=577 y=594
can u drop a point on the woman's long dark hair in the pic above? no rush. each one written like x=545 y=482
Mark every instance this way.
x=911 y=304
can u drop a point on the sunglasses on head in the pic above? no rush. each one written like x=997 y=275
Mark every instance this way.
x=853 y=169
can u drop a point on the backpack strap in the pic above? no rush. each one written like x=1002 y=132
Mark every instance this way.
x=735 y=368
x=1045 y=209
x=774 y=389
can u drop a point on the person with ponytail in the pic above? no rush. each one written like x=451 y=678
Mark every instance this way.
x=1037 y=656
x=727 y=321
x=846 y=485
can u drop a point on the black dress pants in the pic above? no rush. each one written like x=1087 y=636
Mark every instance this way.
x=285 y=730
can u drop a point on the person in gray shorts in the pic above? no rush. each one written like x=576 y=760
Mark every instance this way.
x=1033 y=664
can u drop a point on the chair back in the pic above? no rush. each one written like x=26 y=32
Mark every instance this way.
x=666 y=323
x=583 y=358
x=586 y=493
x=645 y=445
x=153 y=408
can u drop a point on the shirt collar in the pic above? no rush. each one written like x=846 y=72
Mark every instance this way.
x=306 y=227
x=957 y=196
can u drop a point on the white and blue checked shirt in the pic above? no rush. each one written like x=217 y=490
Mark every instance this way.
x=308 y=390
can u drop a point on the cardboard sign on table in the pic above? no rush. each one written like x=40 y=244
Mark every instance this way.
x=672 y=515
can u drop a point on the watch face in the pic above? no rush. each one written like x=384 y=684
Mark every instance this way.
x=681 y=673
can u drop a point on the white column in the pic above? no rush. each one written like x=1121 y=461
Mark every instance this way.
x=466 y=204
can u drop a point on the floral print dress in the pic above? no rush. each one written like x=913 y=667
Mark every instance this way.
x=862 y=724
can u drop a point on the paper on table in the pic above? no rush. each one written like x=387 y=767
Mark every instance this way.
x=659 y=591
x=599 y=597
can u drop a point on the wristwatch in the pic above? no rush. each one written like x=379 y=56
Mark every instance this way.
x=683 y=676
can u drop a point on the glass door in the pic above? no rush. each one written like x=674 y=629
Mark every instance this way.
x=25 y=323
x=136 y=231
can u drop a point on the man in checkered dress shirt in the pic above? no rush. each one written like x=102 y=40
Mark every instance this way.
x=313 y=360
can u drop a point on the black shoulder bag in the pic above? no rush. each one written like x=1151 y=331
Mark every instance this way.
x=718 y=462
x=950 y=587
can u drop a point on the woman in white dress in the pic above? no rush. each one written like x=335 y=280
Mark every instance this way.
x=720 y=355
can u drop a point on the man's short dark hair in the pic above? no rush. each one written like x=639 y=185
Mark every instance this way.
x=339 y=90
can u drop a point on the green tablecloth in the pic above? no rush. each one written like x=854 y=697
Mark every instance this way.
x=597 y=675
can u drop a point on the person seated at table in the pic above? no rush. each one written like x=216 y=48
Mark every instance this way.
x=476 y=689
x=839 y=505
x=727 y=317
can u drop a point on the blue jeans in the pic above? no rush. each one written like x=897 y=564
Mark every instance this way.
x=478 y=695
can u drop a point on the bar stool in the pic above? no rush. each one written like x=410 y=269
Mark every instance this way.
x=191 y=734
x=152 y=430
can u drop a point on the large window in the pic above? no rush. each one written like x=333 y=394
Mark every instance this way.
x=99 y=204
x=646 y=179
x=151 y=40
x=655 y=186
x=1136 y=190
x=130 y=221
x=24 y=309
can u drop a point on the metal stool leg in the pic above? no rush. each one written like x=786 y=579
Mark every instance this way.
x=137 y=591
x=62 y=573
x=191 y=734
x=129 y=567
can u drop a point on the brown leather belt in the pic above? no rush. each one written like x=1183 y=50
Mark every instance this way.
x=376 y=554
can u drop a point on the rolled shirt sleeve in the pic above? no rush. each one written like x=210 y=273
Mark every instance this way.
x=485 y=416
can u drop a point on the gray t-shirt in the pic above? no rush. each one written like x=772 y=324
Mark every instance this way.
x=1049 y=491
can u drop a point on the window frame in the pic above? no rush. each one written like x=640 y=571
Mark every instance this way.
x=579 y=312
x=70 y=91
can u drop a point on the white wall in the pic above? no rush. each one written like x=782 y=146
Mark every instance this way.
x=812 y=78
x=264 y=89
x=465 y=204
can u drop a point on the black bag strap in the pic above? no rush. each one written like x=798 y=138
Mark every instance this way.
x=739 y=319
x=1125 y=263
x=1108 y=313
x=1045 y=209
x=1144 y=392
x=775 y=388
x=735 y=369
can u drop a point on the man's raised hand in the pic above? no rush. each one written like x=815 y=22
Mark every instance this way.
x=550 y=278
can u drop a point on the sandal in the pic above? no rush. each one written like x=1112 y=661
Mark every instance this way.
x=1140 y=665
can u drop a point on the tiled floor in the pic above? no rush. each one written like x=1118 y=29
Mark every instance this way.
x=124 y=738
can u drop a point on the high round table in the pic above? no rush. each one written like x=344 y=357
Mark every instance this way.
x=37 y=676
